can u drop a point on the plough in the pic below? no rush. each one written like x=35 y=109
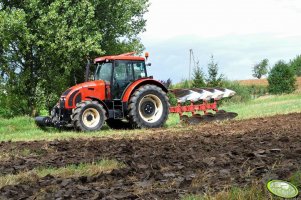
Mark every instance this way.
x=204 y=100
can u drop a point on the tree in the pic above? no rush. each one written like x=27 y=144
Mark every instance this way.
x=295 y=64
x=198 y=76
x=185 y=84
x=281 y=79
x=260 y=69
x=44 y=45
x=214 y=79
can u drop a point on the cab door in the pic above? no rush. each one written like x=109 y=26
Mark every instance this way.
x=122 y=77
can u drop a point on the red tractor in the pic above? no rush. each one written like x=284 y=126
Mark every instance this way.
x=121 y=90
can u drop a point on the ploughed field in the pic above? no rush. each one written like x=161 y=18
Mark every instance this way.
x=166 y=164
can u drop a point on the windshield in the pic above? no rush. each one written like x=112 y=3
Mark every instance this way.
x=103 y=71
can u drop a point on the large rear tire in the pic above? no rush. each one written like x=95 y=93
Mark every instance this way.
x=148 y=107
x=88 y=116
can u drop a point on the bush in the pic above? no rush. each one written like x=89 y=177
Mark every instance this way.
x=258 y=90
x=172 y=99
x=295 y=64
x=13 y=106
x=243 y=93
x=281 y=79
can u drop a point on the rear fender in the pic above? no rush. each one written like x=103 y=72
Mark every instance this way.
x=138 y=83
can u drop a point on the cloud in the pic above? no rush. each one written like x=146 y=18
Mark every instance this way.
x=235 y=55
x=238 y=33
x=213 y=18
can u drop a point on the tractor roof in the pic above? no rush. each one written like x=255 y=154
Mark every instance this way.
x=125 y=56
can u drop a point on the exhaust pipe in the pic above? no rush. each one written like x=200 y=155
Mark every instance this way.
x=43 y=121
x=87 y=70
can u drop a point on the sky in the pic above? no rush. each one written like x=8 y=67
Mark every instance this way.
x=238 y=33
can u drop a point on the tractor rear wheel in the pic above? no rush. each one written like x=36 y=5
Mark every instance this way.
x=148 y=107
x=88 y=116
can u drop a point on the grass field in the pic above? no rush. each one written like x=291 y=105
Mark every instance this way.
x=266 y=106
x=24 y=128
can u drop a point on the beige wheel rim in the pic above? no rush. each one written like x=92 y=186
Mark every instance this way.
x=90 y=117
x=150 y=108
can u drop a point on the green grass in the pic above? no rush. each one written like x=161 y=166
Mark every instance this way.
x=83 y=169
x=266 y=106
x=24 y=128
x=254 y=192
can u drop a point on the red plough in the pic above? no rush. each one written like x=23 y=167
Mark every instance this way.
x=204 y=100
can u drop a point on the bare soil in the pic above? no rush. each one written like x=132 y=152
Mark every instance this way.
x=164 y=165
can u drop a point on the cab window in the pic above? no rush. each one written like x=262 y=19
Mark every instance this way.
x=139 y=70
x=104 y=71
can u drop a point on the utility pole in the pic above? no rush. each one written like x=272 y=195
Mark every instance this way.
x=190 y=54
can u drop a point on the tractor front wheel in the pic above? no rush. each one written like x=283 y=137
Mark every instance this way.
x=148 y=107
x=88 y=116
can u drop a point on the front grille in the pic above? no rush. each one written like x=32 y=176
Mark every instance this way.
x=71 y=97
x=78 y=98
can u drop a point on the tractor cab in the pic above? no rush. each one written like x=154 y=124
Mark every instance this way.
x=120 y=71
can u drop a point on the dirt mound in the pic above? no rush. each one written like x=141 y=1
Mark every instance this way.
x=166 y=164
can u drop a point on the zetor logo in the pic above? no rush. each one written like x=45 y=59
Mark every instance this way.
x=282 y=189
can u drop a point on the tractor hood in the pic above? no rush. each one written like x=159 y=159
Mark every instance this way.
x=84 y=91
x=90 y=84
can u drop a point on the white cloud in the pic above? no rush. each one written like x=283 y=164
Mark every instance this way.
x=235 y=54
x=238 y=32
x=170 y=18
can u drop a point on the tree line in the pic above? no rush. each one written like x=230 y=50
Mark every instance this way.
x=44 y=45
x=213 y=78
x=281 y=77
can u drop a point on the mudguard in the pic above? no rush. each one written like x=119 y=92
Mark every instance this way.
x=136 y=84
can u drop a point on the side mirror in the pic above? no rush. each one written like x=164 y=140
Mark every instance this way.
x=149 y=64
